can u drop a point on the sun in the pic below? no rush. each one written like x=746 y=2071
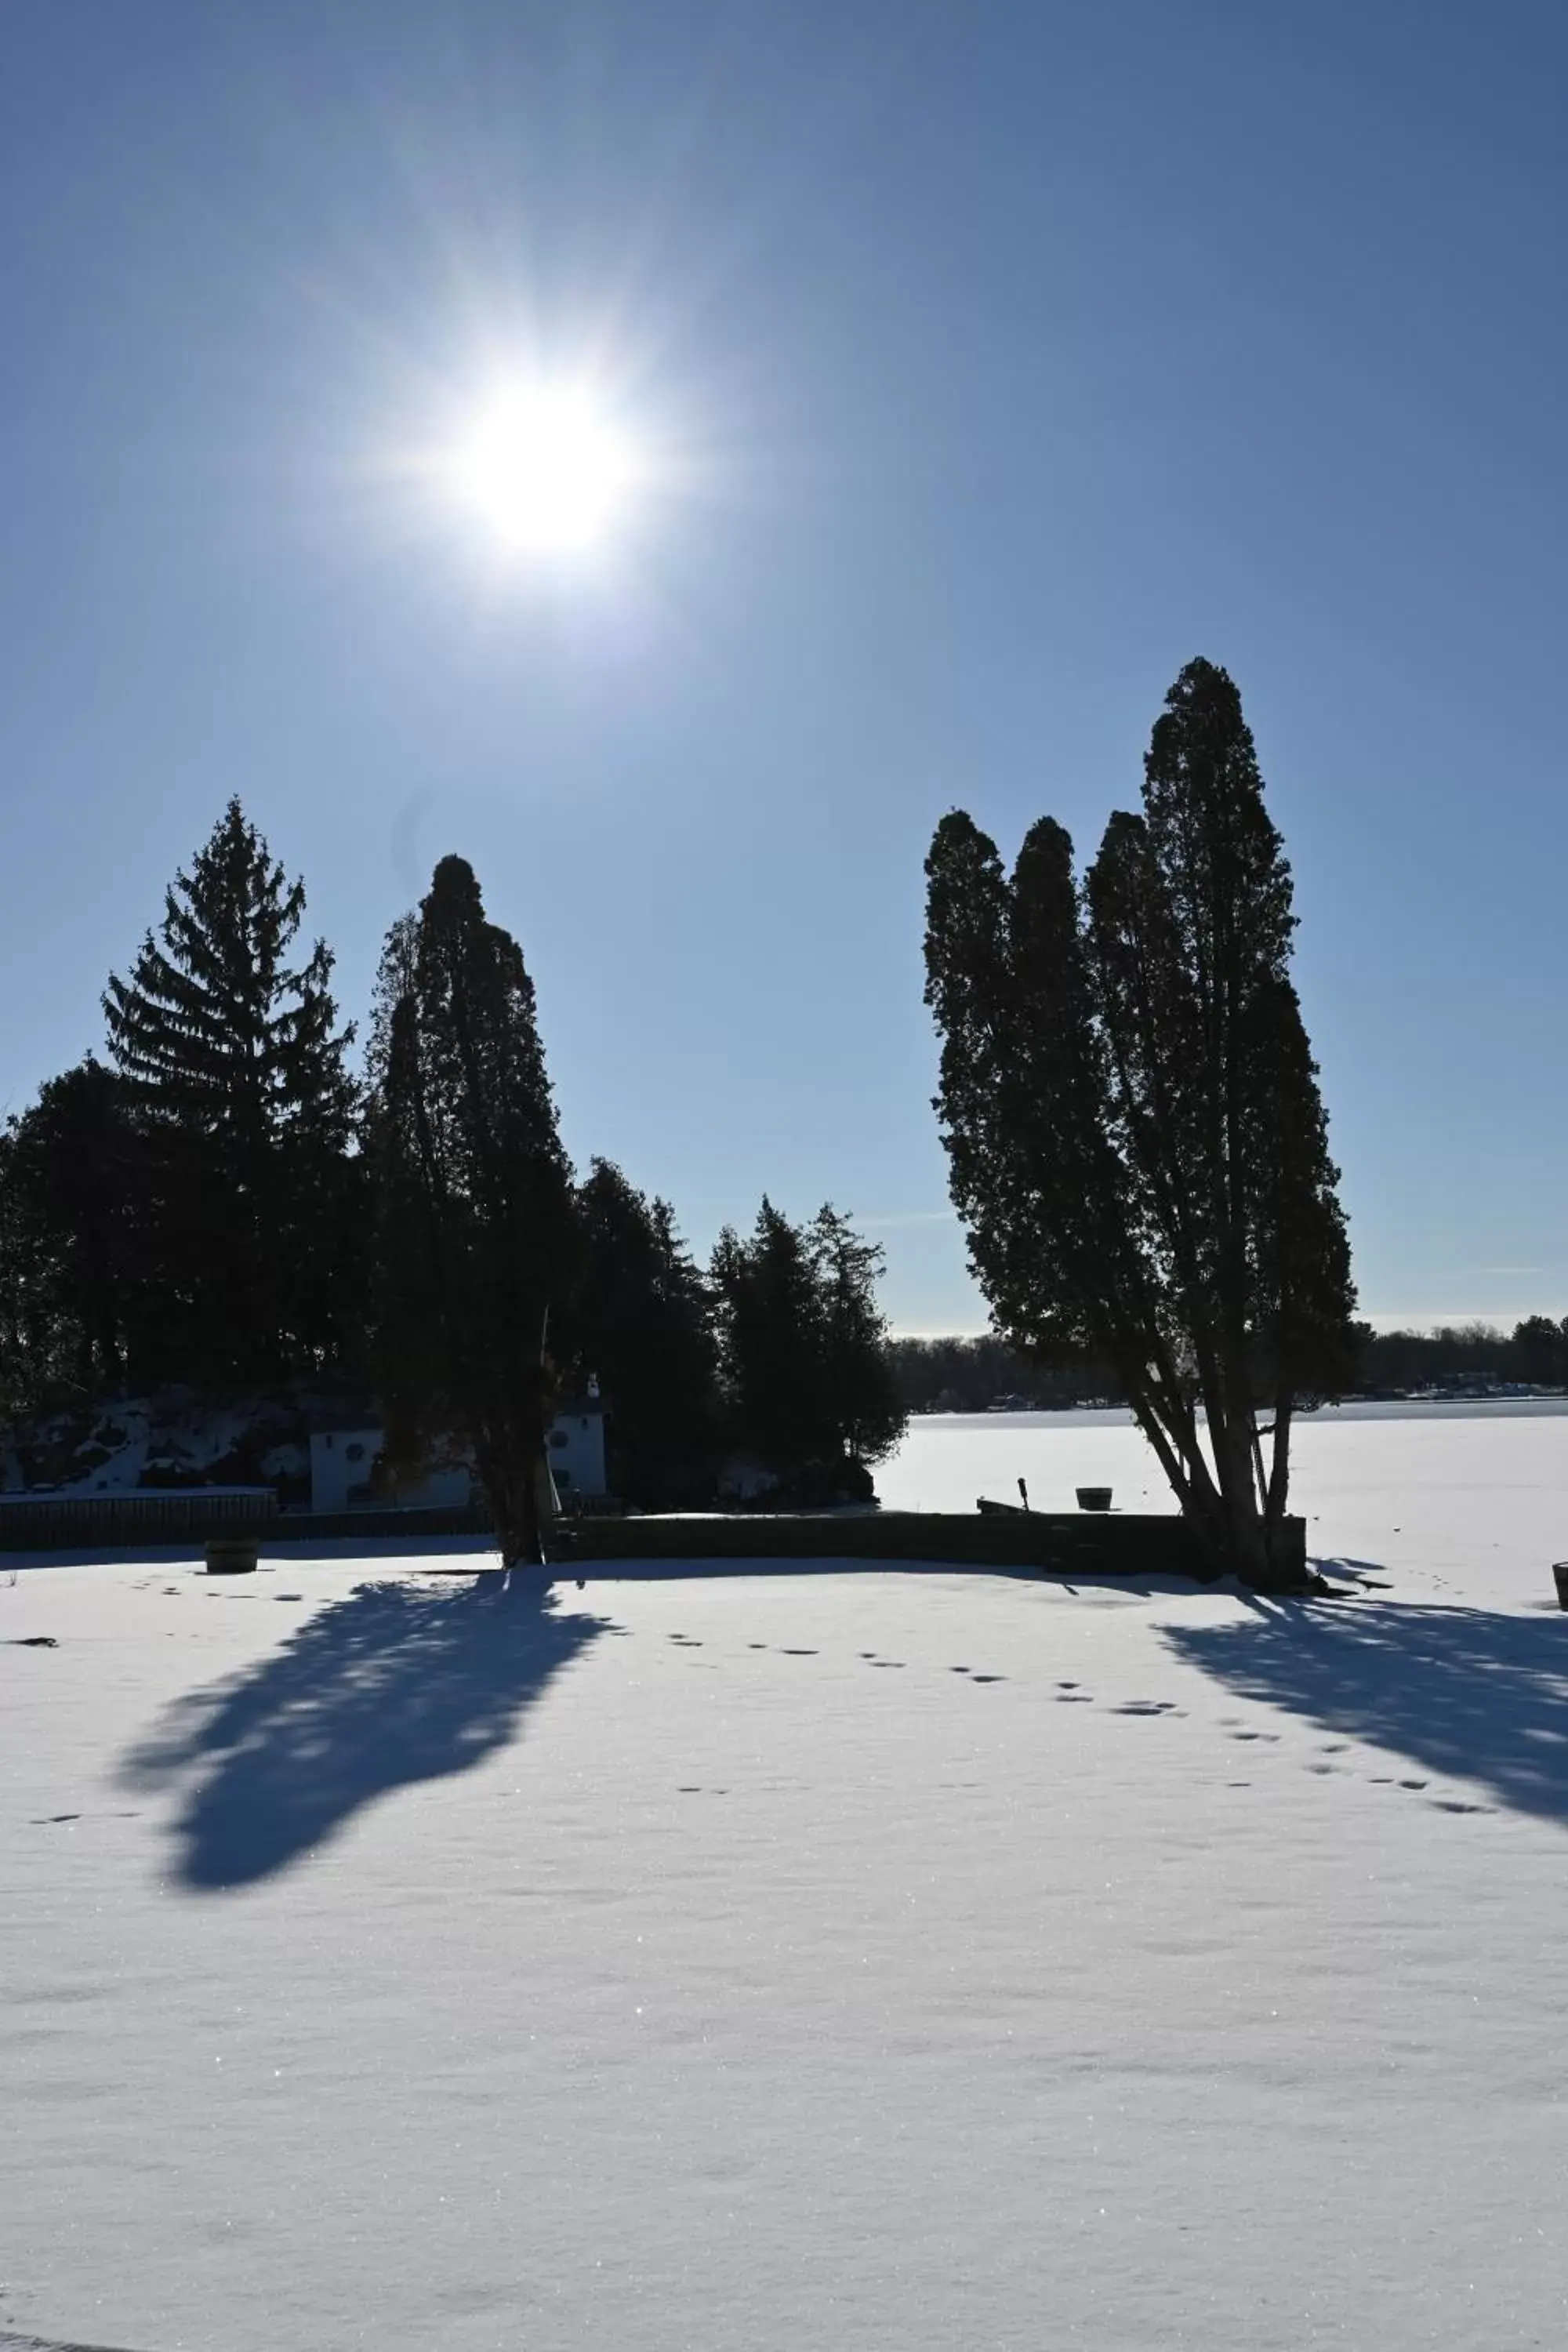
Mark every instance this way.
x=546 y=469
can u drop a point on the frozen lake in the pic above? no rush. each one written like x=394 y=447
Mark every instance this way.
x=879 y=1960
x=1431 y=1488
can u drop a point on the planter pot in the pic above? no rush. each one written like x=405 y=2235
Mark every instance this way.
x=1093 y=1498
x=231 y=1555
x=1560 y=1575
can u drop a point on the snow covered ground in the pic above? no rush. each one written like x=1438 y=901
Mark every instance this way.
x=877 y=1960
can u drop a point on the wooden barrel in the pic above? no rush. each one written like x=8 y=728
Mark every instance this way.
x=231 y=1555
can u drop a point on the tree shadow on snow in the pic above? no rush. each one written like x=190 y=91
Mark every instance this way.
x=1469 y=1692
x=391 y=1685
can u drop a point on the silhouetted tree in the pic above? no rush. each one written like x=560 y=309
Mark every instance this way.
x=861 y=1391
x=1136 y=1142
x=771 y=1339
x=802 y=1348
x=477 y=1239
x=236 y=1068
x=75 y=1303
x=1537 y=1353
x=643 y=1321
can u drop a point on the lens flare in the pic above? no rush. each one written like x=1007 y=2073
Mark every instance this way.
x=546 y=470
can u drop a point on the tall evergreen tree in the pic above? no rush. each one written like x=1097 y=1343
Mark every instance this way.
x=477 y=1246
x=770 y=1326
x=1136 y=1140
x=643 y=1322
x=810 y=1386
x=76 y=1305
x=237 y=1068
x=861 y=1388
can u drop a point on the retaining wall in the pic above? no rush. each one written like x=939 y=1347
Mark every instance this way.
x=1074 y=1543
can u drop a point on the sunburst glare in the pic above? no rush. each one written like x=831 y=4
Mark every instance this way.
x=545 y=469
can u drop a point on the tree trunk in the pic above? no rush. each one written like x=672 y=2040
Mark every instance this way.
x=520 y=1529
x=1248 y=1521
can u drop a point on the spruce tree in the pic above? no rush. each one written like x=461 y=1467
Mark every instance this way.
x=809 y=1382
x=236 y=1068
x=476 y=1242
x=643 y=1322
x=860 y=1383
x=1136 y=1142
x=769 y=1317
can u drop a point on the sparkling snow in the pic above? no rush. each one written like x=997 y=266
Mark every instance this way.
x=910 y=1960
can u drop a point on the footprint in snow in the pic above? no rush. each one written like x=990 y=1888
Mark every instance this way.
x=1321 y=1769
x=897 y=1664
x=687 y=1641
x=1335 y=1746
x=1411 y=1784
x=1453 y=1805
x=1147 y=1706
x=1067 y=1686
x=33 y=1642
x=47 y=1821
x=990 y=1678
x=1074 y=1698
x=952 y=1670
x=797 y=1654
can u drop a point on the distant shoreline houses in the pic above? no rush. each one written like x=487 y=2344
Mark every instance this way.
x=320 y=1453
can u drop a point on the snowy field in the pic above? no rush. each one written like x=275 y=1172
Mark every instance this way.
x=915 y=1962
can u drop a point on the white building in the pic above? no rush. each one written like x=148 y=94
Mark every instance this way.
x=577 y=1450
x=344 y=1446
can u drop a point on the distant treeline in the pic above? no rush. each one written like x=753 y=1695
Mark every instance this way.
x=973 y=1374
x=970 y=1375
x=222 y=1199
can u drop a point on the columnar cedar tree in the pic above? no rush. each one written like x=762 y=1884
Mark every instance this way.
x=1136 y=1142
x=477 y=1239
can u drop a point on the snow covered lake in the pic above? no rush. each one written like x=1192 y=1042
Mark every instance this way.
x=875 y=1961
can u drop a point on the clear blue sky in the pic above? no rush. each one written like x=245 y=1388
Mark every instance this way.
x=1014 y=354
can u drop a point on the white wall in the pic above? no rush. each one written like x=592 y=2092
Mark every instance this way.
x=340 y=1458
x=577 y=1454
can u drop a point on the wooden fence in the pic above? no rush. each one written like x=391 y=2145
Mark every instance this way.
x=144 y=1516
